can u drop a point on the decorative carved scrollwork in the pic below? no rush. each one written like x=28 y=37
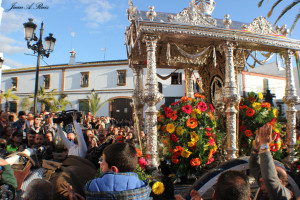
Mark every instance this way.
x=262 y=26
x=196 y=14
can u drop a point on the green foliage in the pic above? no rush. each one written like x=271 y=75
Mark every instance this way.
x=291 y=5
x=60 y=103
x=45 y=98
x=25 y=103
x=94 y=102
x=188 y=132
x=253 y=114
x=8 y=96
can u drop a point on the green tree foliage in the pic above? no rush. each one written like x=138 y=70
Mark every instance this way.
x=60 y=103
x=45 y=98
x=291 y=5
x=25 y=103
x=95 y=104
x=8 y=96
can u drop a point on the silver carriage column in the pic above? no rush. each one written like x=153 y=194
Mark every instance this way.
x=139 y=103
x=290 y=99
x=151 y=98
x=189 y=89
x=231 y=98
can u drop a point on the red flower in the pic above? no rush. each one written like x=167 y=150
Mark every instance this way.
x=298 y=167
x=143 y=163
x=187 y=109
x=272 y=122
x=250 y=112
x=164 y=129
x=210 y=161
x=202 y=106
x=242 y=106
x=211 y=108
x=191 y=123
x=195 y=162
x=175 y=160
x=265 y=105
x=248 y=133
x=243 y=128
x=177 y=151
x=211 y=141
x=168 y=112
x=174 y=138
x=277 y=136
x=251 y=99
x=175 y=103
x=273 y=147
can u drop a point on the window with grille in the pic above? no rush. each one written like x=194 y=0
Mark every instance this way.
x=14 y=83
x=176 y=79
x=84 y=79
x=121 y=77
x=47 y=81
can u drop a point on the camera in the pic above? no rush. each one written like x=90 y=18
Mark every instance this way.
x=66 y=117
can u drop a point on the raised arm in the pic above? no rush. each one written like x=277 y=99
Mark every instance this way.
x=63 y=137
x=268 y=170
x=81 y=142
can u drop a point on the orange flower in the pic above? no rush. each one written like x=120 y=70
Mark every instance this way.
x=161 y=118
x=177 y=151
x=139 y=153
x=185 y=99
x=248 y=133
x=191 y=123
x=196 y=95
x=195 y=162
x=174 y=115
x=175 y=160
x=211 y=116
x=265 y=105
x=242 y=106
x=250 y=112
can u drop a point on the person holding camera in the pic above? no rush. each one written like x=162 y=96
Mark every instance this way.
x=79 y=149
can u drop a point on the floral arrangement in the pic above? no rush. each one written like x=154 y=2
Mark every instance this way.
x=253 y=114
x=187 y=130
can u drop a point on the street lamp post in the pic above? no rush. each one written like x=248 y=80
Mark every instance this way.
x=29 y=28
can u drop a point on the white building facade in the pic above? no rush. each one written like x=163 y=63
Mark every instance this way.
x=113 y=80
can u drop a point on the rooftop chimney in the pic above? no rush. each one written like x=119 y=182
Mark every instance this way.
x=72 y=58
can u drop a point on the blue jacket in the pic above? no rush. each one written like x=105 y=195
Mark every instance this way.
x=112 y=185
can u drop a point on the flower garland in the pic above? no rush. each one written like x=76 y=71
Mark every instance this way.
x=253 y=114
x=187 y=130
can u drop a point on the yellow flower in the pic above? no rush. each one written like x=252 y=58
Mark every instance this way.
x=186 y=153
x=256 y=106
x=179 y=130
x=279 y=143
x=260 y=95
x=195 y=112
x=194 y=136
x=158 y=127
x=215 y=147
x=276 y=130
x=191 y=144
x=158 y=188
x=275 y=112
x=170 y=128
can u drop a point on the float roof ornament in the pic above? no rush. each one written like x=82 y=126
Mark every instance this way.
x=182 y=37
x=196 y=14
x=262 y=26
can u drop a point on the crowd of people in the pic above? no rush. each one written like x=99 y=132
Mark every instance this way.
x=81 y=147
